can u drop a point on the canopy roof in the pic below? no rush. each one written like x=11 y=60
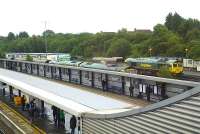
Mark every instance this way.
x=71 y=99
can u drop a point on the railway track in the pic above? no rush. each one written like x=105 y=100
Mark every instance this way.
x=21 y=122
x=194 y=78
x=4 y=129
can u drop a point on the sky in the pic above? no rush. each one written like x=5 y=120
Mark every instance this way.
x=76 y=16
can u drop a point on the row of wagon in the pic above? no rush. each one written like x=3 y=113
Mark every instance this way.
x=145 y=89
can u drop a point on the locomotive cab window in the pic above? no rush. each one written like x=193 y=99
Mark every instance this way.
x=175 y=65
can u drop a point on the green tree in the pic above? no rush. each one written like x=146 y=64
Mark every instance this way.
x=193 y=34
x=11 y=36
x=119 y=47
x=2 y=54
x=164 y=72
x=48 y=33
x=173 y=21
x=23 y=34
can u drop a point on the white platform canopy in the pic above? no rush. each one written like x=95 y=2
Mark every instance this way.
x=70 y=99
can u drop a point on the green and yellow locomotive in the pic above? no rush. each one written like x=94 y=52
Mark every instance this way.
x=151 y=65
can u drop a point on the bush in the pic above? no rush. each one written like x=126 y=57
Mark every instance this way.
x=29 y=58
x=164 y=72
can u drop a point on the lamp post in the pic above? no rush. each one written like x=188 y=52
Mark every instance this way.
x=186 y=53
x=45 y=37
x=150 y=51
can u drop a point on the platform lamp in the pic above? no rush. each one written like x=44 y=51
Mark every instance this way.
x=150 y=51
x=45 y=37
x=186 y=52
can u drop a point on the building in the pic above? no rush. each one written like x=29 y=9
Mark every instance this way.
x=40 y=57
x=143 y=30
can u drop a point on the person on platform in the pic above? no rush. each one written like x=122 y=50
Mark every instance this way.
x=103 y=84
x=62 y=119
x=55 y=110
x=23 y=101
x=73 y=124
x=131 y=88
x=32 y=109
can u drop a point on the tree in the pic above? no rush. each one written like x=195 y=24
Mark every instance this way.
x=2 y=54
x=194 y=50
x=11 y=36
x=193 y=34
x=173 y=22
x=187 y=26
x=162 y=40
x=48 y=33
x=23 y=34
x=119 y=47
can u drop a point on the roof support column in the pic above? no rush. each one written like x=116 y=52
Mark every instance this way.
x=37 y=69
x=3 y=91
x=60 y=73
x=26 y=68
x=79 y=124
x=69 y=73
x=10 y=65
x=42 y=108
x=123 y=84
x=6 y=67
x=52 y=76
x=20 y=66
x=92 y=82
x=148 y=92
x=19 y=93
x=106 y=78
x=80 y=76
x=44 y=70
x=10 y=92
x=31 y=68
x=163 y=91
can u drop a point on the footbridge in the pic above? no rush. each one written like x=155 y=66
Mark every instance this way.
x=175 y=110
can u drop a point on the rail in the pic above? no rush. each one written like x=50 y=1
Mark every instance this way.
x=18 y=121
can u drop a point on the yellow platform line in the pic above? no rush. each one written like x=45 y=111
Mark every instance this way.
x=35 y=128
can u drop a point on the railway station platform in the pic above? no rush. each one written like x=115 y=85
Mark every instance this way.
x=46 y=125
x=74 y=100
x=176 y=112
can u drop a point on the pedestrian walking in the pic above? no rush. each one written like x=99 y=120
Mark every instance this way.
x=73 y=124
x=103 y=84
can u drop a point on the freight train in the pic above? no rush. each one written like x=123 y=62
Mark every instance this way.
x=152 y=65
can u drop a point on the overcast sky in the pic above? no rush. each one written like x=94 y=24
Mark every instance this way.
x=76 y=16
